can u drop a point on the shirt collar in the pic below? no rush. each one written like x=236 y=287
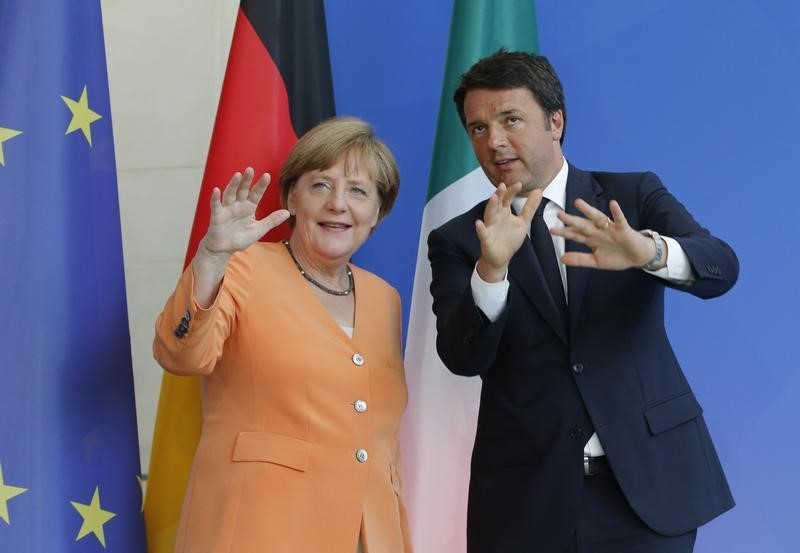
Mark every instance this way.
x=556 y=191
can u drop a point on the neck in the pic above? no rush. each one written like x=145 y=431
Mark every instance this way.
x=331 y=274
x=547 y=177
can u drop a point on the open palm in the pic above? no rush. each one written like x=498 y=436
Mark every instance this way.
x=233 y=224
x=501 y=232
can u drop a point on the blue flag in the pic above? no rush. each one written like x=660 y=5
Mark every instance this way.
x=69 y=460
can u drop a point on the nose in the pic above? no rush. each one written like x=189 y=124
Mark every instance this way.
x=497 y=138
x=337 y=200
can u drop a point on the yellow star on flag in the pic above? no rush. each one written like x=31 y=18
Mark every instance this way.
x=6 y=134
x=82 y=116
x=7 y=492
x=94 y=517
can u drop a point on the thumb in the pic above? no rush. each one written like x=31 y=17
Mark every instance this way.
x=272 y=220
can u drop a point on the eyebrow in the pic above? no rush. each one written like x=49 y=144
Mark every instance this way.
x=348 y=178
x=504 y=113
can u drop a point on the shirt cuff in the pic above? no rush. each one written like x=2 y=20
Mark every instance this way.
x=489 y=297
x=678 y=269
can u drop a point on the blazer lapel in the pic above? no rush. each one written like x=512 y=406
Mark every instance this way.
x=580 y=184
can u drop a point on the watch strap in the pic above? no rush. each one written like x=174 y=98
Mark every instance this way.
x=658 y=259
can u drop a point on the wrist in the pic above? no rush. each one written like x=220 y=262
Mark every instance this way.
x=659 y=258
x=208 y=255
x=490 y=273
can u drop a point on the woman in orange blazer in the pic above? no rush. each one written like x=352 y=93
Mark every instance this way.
x=303 y=383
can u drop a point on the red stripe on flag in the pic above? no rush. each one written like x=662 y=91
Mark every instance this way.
x=253 y=128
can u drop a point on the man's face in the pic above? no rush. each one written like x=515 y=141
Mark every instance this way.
x=512 y=137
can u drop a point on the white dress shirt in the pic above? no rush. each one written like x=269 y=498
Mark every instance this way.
x=490 y=297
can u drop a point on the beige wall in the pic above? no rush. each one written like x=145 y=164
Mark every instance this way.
x=166 y=60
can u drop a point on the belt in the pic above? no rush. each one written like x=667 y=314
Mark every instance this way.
x=593 y=466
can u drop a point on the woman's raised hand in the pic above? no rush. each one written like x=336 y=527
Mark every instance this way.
x=233 y=225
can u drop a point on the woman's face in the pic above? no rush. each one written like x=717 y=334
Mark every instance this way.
x=335 y=209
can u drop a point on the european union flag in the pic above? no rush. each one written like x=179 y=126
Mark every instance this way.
x=69 y=460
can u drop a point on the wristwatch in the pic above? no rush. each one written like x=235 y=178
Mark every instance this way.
x=658 y=260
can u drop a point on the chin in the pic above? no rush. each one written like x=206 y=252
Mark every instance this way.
x=336 y=250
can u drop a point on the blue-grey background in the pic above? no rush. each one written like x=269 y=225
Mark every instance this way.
x=706 y=95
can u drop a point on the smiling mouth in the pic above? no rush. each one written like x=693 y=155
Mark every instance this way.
x=335 y=226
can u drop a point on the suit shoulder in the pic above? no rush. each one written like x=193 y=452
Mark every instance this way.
x=629 y=177
x=466 y=220
x=615 y=182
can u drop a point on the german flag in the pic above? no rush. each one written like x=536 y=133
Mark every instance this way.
x=277 y=86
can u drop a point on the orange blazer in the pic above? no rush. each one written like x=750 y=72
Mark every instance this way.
x=298 y=451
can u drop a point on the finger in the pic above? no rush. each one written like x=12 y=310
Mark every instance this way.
x=480 y=230
x=618 y=215
x=570 y=234
x=257 y=192
x=244 y=185
x=511 y=193
x=500 y=194
x=491 y=209
x=273 y=220
x=229 y=195
x=216 y=196
x=577 y=259
x=576 y=222
x=531 y=205
x=597 y=217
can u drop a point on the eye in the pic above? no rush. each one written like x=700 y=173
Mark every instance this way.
x=321 y=185
x=359 y=191
x=477 y=129
x=513 y=120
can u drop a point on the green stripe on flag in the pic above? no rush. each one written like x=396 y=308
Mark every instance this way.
x=438 y=428
x=478 y=28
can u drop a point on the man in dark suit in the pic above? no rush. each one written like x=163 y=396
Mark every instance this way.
x=589 y=437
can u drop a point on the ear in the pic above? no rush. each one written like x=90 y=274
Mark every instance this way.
x=374 y=221
x=557 y=124
x=290 y=202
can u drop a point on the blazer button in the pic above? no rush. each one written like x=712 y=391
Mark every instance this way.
x=576 y=433
x=361 y=455
x=360 y=406
x=358 y=359
x=577 y=368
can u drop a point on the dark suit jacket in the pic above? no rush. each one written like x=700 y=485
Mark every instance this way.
x=547 y=385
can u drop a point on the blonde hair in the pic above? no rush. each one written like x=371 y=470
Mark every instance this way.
x=353 y=138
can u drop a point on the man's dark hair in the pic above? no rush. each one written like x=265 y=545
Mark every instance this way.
x=505 y=70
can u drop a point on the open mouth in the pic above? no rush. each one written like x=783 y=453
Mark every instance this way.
x=505 y=162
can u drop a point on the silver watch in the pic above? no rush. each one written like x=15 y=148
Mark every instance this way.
x=657 y=261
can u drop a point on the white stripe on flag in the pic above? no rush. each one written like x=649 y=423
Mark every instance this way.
x=439 y=425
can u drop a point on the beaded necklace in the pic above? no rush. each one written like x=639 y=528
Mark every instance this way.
x=316 y=283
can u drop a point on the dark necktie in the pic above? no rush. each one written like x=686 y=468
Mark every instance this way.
x=546 y=254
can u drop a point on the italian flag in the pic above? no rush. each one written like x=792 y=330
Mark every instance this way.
x=277 y=86
x=439 y=425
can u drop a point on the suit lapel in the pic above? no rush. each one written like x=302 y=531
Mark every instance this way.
x=580 y=184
